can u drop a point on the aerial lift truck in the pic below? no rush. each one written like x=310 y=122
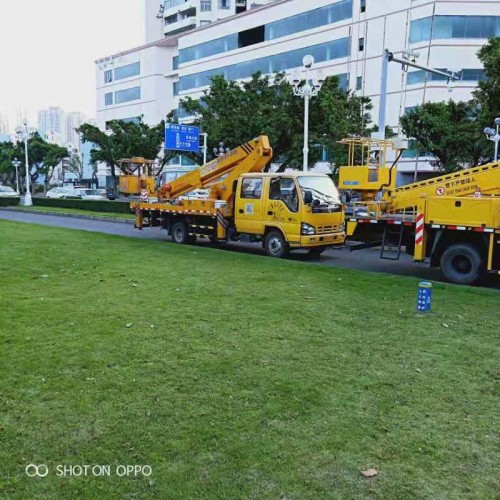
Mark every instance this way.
x=283 y=211
x=452 y=220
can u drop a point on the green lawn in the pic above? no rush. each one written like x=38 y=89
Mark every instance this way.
x=114 y=215
x=238 y=376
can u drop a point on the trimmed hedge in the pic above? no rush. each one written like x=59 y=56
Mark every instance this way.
x=121 y=207
x=6 y=201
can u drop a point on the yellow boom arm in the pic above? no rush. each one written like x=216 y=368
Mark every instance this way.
x=250 y=157
x=485 y=178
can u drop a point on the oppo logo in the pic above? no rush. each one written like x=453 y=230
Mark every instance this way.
x=33 y=470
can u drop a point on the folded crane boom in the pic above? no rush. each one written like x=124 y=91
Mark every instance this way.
x=252 y=156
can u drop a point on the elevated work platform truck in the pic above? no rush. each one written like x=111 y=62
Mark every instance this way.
x=452 y=220
x=284 y=211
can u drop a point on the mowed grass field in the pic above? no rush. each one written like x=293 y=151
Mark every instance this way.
x=237 y=376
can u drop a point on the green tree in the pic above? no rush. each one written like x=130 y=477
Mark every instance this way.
x=234 y=112
x=453 y=131
x=447 y=130
x=123 y=140
x=7 y=171
x=487 y=95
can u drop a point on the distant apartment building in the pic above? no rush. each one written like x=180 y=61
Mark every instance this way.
x=346 y=37
x=51 y=124
x=58 y=127
x=4 y=125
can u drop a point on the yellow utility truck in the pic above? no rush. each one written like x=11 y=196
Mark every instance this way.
x=452 y=220
x=284 y=211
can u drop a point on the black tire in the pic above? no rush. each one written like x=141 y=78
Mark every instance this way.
x=180 y=233
x=462 y=264
x=276 y=245
x=315 y=253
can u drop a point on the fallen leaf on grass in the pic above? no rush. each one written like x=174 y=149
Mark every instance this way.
x=129 y=325
x=369 y=473
x=308 y=298
x=445 y=325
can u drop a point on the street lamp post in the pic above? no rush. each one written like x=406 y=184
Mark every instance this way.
x=309 y=89
x=493 y=135
x=16 y=164
x=23 y=133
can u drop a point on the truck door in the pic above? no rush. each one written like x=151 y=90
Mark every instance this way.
x=249 y=206
x=283 y=205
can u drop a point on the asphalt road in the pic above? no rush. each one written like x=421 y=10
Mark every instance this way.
x=367 y=260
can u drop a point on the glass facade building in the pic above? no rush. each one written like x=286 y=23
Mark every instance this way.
x=466 y=75
x=454 y=27
x=267 y=65
x=315 y=18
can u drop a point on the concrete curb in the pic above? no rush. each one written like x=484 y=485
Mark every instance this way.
x=71 y=216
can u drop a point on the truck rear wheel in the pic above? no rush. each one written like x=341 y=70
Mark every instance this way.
x=276 y=245
x=461 y=263
x=180 y=232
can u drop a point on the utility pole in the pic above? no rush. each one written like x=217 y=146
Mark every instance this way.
x=409 y=60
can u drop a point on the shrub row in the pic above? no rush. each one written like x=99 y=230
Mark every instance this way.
x=8 y=202
x=122 y=207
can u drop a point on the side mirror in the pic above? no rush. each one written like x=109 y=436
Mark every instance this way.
x=308 y=197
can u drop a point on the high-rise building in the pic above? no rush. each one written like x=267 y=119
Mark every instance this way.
x=171 y=17
x=51 y=124
x=58 y=127
x=346 y=38
x=4 y=125
x=73 y=121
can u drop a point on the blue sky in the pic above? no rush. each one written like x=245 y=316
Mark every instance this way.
x=48 y=48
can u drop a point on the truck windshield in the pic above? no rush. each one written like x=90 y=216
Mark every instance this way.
x=322 y=188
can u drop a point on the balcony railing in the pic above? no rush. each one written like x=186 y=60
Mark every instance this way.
x=179 y=26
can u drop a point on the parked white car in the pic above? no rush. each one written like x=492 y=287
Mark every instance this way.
x=7 y=191
x=63 y=192
x=90 y=194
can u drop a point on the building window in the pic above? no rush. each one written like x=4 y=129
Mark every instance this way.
x=224 y=4
x=359 y=83
x=175 y=63
x=175 y=88
x=128 y=71
x=251 y=189
x=361 y=44
x=108 y=76
x=310 y=20
x=206 y=5
x=127 y=95
x=362 y=6
x=108 y=99
x=446 y=27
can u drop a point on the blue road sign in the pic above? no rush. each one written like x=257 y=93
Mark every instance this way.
x=182 y=137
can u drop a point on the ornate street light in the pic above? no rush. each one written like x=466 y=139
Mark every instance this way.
x=306 y=85
x=16 y=164
x=23 y=134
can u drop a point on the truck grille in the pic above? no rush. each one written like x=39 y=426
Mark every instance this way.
x=326 y=229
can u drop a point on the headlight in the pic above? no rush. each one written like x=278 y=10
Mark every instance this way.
x=342 y=227
x=307 y=229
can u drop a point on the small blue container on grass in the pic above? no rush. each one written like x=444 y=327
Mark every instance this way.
x=424 y=298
